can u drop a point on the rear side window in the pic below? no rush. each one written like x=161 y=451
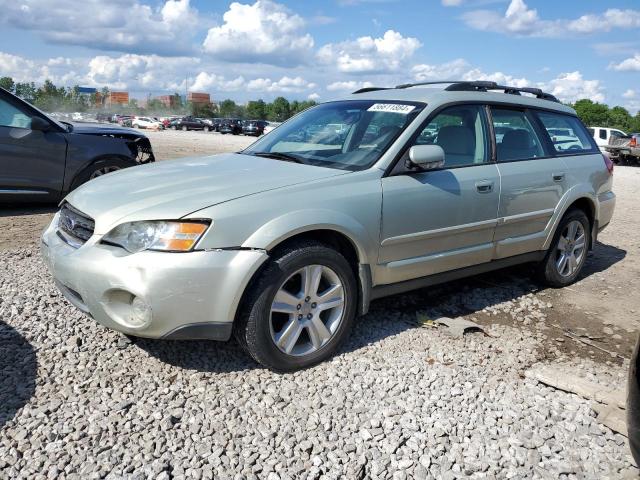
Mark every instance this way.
x=516 y=139
x=566 y=132
x=603 y=134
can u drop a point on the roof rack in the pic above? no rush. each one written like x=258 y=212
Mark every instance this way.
x=472 y=86
x=372 y=89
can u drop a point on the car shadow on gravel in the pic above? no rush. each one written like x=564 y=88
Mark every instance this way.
x=387 y=317
x=601 y=258
x=27 y=209
x=199 y=355
x=18 y=370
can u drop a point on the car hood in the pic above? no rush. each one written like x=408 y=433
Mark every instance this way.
x=89 y=128
x=173 y=189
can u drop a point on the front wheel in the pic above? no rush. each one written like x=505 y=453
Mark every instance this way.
x=300 y=309
x=568 y=251
x=185 y=128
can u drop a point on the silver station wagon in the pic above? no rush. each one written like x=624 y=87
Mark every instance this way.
x=283 y=244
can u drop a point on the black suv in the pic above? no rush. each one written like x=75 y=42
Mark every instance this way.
x=188 y=123
x=42 y=159
x=231 y=125
x=254 y=127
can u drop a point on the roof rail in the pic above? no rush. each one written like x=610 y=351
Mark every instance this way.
x=371 y=89
x=471 y=86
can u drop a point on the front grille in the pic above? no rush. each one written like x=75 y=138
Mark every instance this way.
x=75 y=226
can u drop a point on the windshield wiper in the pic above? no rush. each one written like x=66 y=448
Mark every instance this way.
x=287 y=157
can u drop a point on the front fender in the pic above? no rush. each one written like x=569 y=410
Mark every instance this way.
x=294 y=223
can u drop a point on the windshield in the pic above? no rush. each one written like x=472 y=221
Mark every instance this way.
x=350 y=135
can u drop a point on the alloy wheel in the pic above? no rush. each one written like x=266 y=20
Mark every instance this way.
x=103 y=171
x=307 y=310
x=571 y=249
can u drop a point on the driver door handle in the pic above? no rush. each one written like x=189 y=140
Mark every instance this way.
x=485 y=186
x=558 y=177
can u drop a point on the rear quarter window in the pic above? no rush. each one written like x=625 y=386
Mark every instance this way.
x=566 y=133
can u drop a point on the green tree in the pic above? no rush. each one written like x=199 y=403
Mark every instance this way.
x=279 y=110
x=256 y=110
x=7 y=83
x=228 y=108
x=620 y=117
x=592 y=114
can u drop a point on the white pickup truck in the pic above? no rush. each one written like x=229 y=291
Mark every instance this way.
x=624 y=149
x=602 y=135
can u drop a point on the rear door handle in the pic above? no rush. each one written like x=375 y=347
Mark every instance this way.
x=485 y=186
x=558 y=177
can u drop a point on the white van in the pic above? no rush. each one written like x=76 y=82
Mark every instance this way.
x=602 y=135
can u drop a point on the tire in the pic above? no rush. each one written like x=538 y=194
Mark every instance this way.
x=173 y=127
x=185 y=128
x=206 y=129
x=99 y=168
x=257 y=327
x=553 y=270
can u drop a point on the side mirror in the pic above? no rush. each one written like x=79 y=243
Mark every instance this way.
x=427 y=157
x=40 y=124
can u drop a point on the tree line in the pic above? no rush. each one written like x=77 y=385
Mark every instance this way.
x=49 y=97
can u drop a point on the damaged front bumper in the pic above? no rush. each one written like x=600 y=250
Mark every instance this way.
x=191 y=295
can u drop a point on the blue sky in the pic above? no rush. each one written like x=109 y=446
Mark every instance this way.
x=312 y=49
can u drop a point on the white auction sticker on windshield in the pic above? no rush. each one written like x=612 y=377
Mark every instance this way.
x=391 y=107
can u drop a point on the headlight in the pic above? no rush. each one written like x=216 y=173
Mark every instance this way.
x=156 y=235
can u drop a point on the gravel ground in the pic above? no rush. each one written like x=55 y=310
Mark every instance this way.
x=401 y=400
x=169 y=144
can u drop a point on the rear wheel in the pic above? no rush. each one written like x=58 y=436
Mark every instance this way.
x=184 y=128
x=206 y=129
x=568 y=251
x=300 y=309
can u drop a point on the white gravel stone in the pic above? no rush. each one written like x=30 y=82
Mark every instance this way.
x=399 y=401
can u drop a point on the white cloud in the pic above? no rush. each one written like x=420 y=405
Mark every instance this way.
x=350 y=85
x=313 y=96
x=285 y=84
x=631 y=64
x=569 y=87
x=612 y=18
x=460 y=69
x=629 y=94
x=206 y=82
x=368 y=55
x=452 y=70
x=265 y=32
x=118 y=25
x=149 y=72
x=60 y=70
x=451 y=3
x=521 y=20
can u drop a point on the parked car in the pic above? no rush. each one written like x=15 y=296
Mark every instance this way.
x=217 y=122
x=253 y=127
x=188 y=123
x=284 y=243
x=147 y=122
x=43 y=159
x=231 y=125
x=602 y=135
x=103 y=117
x=624 y=149
x=633 y=404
